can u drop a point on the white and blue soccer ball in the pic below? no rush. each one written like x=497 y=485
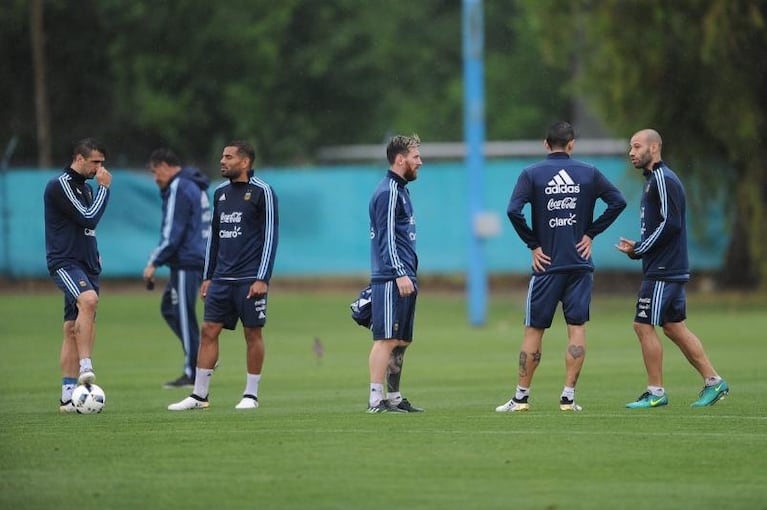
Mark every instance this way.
x=89 y=399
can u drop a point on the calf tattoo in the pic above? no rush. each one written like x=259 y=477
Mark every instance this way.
x=394 y=370
x=576 y=351
x=536 y=357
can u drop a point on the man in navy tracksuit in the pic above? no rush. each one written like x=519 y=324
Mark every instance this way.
x=563 y=193
x=183 y=238
x=665 y=267
x=72 y=212
x=238 y=266
x=394 y=265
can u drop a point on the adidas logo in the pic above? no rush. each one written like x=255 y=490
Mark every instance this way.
x=642 y=314
x=222 y=197
x=562 y=183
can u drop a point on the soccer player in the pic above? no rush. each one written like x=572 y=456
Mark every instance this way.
x=183 y=238
x=393 y=275
x=72 y=212
x=563 y=193
x=238 y=266
x=665 y=271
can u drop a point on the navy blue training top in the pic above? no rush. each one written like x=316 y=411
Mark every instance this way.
x=185 y=222
x=72 y=213
x=244 y=232
x=392 y=231
x=663 y=243
x=562 y=193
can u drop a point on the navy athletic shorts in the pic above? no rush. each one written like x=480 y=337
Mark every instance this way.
x=661 y=302
x=73 y=281
x=226 y=303
x=547 y=290
x=393 y=315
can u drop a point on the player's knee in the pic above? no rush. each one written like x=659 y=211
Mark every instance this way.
x=88 y=301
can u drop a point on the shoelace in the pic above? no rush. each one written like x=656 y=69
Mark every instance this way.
x=644 y=396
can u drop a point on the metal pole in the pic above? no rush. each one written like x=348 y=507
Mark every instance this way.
x=474 y=137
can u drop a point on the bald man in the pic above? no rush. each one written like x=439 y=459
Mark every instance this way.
x=665 y=268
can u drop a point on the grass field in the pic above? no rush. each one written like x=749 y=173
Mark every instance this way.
x=312 y=446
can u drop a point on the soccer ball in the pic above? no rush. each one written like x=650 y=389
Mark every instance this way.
x=88 y=399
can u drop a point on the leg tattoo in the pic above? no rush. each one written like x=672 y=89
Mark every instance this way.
x=536 y=357
x=576 y=351
x=394 y=371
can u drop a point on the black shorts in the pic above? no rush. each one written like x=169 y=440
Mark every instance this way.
x=393 y=315
x=661 y=302
x=226 y=303
x=73 y=281
x=547 y=290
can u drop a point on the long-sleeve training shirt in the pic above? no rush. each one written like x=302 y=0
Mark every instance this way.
x=663 y=243
x=392 y=230
x=244 y=232
x=72 y=212
x=562 y=193
x=185 y=222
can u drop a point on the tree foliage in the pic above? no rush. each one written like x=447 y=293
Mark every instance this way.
x=696 y=70
x=290 y=76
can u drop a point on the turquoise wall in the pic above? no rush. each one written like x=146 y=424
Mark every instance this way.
x=323 y=220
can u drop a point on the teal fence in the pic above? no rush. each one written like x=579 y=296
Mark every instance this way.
x=324 y=224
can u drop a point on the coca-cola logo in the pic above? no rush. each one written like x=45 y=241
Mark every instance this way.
x=563 y=203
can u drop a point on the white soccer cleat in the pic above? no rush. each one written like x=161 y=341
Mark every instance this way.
x=189 y=403
x=67 y=407
x=86 y=377
x=513 y=406
x=248 y=402
x=569 y=405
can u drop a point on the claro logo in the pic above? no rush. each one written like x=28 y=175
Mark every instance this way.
x=563 y=222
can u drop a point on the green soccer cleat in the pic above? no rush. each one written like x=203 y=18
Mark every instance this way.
x=710 y=395
x=647 y=401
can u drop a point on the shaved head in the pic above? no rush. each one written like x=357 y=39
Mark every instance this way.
x=649 y=136
x=645 y=148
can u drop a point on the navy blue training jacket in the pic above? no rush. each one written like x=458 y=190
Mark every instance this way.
x=663 y=243
x=562 y=193
x=72 y=213
x=185 y=221
x=392 y=231
x=244 y=232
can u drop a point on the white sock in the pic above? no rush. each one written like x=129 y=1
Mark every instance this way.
x=395 y=397
x=568 y=392
x=251 y=386
x=376 y=394
x=86 y=364
x=712 y=381
x=68 y=385
x=521 y=393
x=657 y=391
x=202 y=382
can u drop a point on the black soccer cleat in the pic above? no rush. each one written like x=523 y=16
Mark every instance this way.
x=405 y=406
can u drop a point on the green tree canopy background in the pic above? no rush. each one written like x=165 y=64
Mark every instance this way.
x=291 y=76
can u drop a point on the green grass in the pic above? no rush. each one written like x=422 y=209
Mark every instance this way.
x=311 y=445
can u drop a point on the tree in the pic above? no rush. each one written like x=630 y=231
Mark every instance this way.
x=695 y=70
